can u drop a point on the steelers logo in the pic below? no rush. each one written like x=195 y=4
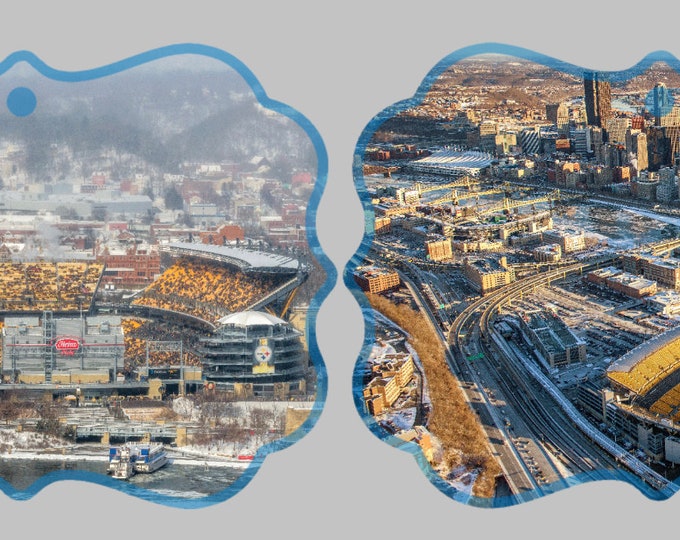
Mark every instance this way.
x=263 y=354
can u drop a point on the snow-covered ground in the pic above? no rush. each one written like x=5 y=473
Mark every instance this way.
x=399 y=419
x=12 y=441
x=379 y=351
x=28 y=445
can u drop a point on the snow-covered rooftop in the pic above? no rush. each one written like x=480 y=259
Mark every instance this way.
x=452 y=160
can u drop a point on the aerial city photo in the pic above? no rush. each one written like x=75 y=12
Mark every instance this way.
x=519 y=277
x=160 y=276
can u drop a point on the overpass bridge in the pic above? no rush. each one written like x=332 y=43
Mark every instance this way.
x=129 y=431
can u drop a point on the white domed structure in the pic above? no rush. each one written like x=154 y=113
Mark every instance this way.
x=250 y=318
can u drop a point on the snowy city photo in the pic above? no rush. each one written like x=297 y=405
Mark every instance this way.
x=159 y=275
x=519 y=276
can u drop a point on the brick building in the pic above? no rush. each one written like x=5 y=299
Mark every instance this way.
x=374 y=280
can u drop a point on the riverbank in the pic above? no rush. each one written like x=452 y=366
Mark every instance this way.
x=93 y=453
x=26 y=446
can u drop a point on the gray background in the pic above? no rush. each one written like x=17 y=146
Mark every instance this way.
x=338 y=64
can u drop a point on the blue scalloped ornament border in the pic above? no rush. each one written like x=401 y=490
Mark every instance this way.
x=369 y=323
x=313 y=242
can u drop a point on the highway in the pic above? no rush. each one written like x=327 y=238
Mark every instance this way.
x=544 y=406
x=538 y=437
x=516 y=472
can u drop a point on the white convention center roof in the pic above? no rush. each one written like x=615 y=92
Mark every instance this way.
x=448 y=159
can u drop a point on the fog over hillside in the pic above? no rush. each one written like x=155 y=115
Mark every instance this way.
x=159 y=116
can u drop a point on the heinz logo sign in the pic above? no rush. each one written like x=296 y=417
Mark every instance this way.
x=67 y=345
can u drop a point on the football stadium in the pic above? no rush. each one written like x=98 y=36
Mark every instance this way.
x=215 y=317
x=650 y=375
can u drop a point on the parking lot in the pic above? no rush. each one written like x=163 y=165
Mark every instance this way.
x=609 y=323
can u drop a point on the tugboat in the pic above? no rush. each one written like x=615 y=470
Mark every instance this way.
x=123 y=468
x=130 y=458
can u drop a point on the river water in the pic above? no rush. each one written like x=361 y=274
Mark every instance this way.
x=177 y=483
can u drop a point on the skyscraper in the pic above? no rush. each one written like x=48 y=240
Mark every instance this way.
x=662 y=103
x=558 y=114
x=598 y=99
x=636 y=144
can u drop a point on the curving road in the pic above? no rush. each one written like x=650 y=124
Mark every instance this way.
x=549 y=414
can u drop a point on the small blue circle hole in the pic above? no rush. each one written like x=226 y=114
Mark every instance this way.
x=21 y=101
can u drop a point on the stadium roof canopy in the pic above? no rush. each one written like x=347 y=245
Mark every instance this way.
x=245 y=259
x=644 y=350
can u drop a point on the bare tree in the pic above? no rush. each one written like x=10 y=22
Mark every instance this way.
x=260 y=421
x=9 y=409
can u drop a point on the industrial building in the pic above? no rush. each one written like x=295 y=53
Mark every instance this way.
x=84 y=205
x=255 y=354
x=623 y=282
x=553 y=339
x=54 y=350
x=600 y=276
x=632 y=285
x=664 y=302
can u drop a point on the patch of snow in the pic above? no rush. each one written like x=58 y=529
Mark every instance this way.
x=402 y=419
x=12 y=440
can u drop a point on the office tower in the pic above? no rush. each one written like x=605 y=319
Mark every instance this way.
x=662 y=103
x=551 y=112
x=582 y=141
x=597 y=143
x=616 y=129
x=636 y=144
x=658 y=148
x=598 y=100
x=529 y=140
x=558 y=114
